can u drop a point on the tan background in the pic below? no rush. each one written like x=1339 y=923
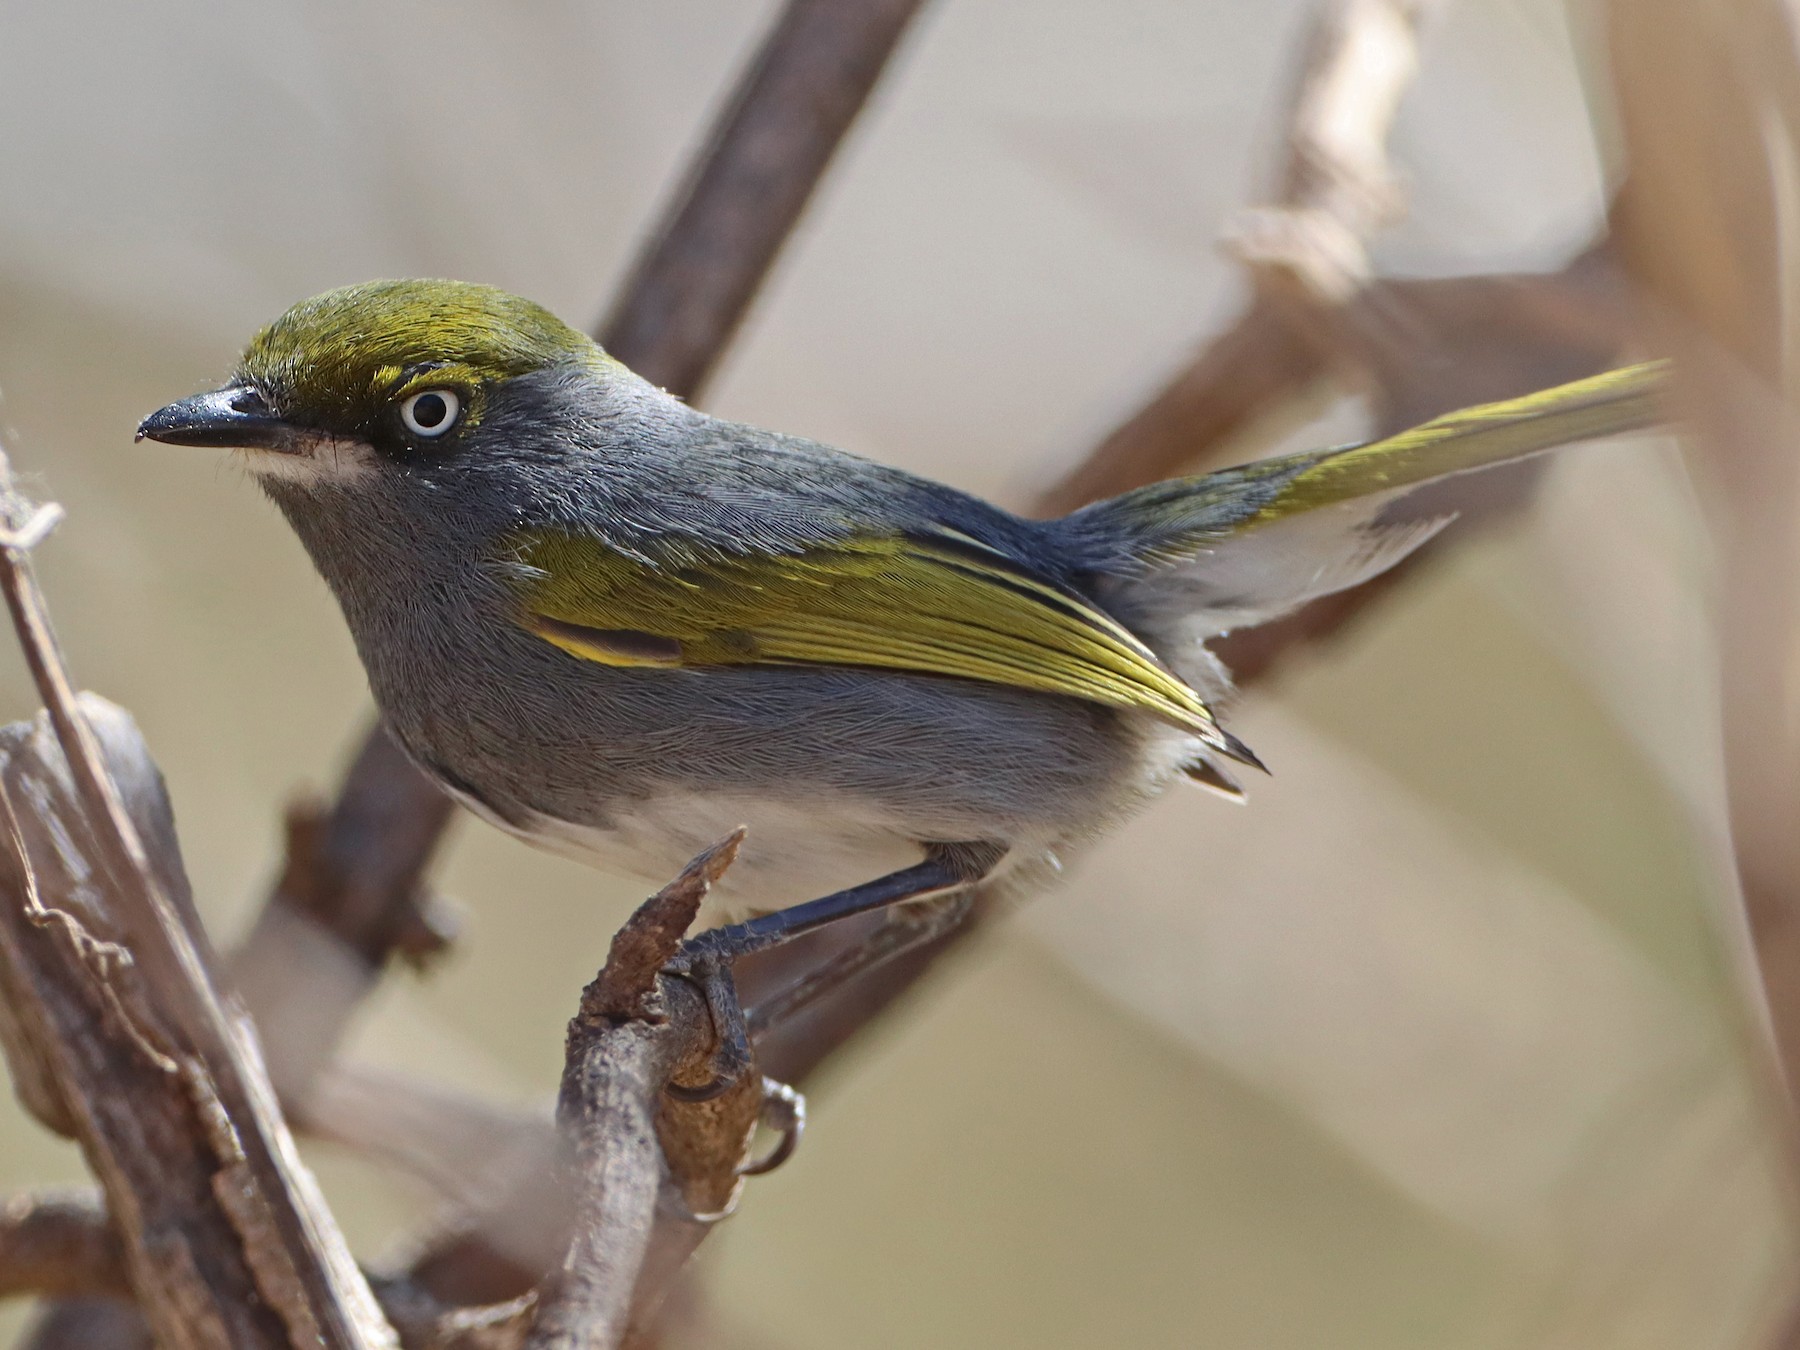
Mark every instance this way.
x=1433 y=1045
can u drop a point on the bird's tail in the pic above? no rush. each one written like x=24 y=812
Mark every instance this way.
x=1191 y=558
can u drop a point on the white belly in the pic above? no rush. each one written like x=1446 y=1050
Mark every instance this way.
x=793 y=852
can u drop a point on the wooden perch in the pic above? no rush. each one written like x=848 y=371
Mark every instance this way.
x=636 y=1032
x=650 y=1174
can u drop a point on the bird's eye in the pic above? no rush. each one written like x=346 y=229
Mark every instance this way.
x=430 y=412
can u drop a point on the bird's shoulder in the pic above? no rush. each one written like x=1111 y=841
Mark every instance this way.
x=730 y=488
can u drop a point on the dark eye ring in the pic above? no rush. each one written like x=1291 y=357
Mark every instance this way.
x=431 y=412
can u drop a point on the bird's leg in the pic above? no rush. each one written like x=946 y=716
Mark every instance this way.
x=706 y=959
x=907 y=927
x=946 y=867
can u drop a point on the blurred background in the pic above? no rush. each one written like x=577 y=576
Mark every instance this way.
x=1449 y=1039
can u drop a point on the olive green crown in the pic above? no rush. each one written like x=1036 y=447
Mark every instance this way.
x=340 y=359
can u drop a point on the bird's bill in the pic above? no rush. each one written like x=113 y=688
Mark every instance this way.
x=234 y=417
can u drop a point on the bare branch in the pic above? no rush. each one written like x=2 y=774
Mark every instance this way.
x=134 y=1108
x=691 y=286
x=1704 y=224
x=1337 y=187
x=633 y=1035
x=116 y=988
x=59 y=1243
x=648 y=942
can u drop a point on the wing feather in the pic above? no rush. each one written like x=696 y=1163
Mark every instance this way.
x=939 y=606
x=1195 y=557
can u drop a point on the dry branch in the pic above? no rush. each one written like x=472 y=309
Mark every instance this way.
x=691 y=287
x=636 y=1032
x=86 y=1016
x=59 y=1243
x=110 y=987
x=649 y=1174
x=62 y=1243
x=1704 y=227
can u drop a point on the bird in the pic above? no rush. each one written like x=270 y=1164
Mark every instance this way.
x=616 y=626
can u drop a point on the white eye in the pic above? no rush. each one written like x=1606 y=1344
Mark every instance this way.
x=430 y=412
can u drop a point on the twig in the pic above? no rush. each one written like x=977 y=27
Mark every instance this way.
x=141 y=1126
x=1304 y=253
x=465 y=1147
x=297 y=1261
x=632 y=1036
x=59 y=1243
x=1337 y=187
x=691 y=287
x=626 y=984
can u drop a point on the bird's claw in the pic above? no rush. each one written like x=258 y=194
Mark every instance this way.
x=783 y=1110
x=707 y=967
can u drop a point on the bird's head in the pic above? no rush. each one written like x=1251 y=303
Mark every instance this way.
x=381 y=375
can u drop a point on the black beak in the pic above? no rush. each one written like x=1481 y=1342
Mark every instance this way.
x=232 y=417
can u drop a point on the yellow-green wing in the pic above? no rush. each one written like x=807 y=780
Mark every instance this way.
x=938 y=606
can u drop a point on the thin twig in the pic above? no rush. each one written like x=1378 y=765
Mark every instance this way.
x=61 y=1244
x=289 y=1239
x=58 y=1242
x=692 y=285
x=1337 y=186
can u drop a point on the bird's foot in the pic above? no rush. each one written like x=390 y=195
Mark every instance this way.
x=705 y=962
x=706 y=959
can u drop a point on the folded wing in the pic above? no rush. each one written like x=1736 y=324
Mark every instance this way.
x=939 y=604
